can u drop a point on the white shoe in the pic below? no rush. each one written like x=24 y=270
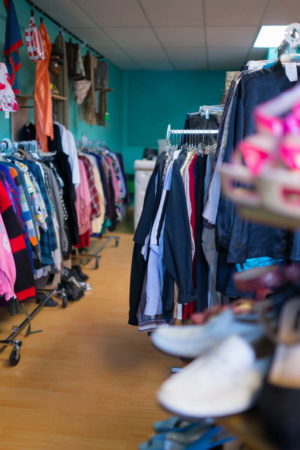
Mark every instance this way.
x=190 y=341
x=222 y=382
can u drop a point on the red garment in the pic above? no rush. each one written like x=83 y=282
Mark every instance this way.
x=84 y=240
x=42 y=93
x=24 y=285
x=189 y=308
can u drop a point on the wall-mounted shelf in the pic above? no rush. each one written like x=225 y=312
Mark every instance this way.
x=26 y=102
x=31 y=97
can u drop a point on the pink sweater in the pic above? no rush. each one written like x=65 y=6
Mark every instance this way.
x=7 y=265
x=83 y=201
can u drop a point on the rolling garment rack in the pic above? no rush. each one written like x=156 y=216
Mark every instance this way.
x=9 y=148
x=96 y=252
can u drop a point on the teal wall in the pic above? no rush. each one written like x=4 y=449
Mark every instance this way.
x=153 y=99
x=142 y=102
x=112 y=133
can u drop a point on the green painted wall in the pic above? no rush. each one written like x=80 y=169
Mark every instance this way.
x=112 y=133
x=153 y=99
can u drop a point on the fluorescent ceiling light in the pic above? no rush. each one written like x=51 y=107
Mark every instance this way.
x=270 y=36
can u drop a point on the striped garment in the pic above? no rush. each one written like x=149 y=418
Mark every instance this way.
x=24 y=285
x=95 y=201
x=34 y=42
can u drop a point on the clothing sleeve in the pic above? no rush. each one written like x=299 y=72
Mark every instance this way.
x=7 y=265
x=73 y=158
x=177 y=251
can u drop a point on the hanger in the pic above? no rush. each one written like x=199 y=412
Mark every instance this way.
x=287 y=49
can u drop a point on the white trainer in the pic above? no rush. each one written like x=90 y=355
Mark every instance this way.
x=190 y=341
x=224 y=381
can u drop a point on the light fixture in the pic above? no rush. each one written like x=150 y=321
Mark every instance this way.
x=270 y=36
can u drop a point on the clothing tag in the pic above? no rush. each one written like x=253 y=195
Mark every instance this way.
x=6 y=115
x=291 y=71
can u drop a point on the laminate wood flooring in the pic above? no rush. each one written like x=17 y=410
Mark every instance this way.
x=89 y=380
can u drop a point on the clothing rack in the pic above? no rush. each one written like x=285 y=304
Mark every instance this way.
x=187 y=132
x=8 y=147
x=15 y=355
x=96 y=252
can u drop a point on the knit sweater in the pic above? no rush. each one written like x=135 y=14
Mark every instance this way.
x=24 y=284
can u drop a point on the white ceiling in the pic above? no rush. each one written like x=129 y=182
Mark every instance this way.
x=173 y=34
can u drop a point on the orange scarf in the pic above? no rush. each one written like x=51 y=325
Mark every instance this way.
x=42 y=94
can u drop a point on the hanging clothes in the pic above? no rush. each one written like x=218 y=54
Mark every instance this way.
x=12 y=45
x=101 y=85
x=83 y=202
x=236 y=239
x=42 y=93
x=88 y=108
x=34 y=42
x=24 y=284
x=8 y=100
x=7 y=265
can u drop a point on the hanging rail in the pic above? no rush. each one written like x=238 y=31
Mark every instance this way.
x=170 y=132
x=63 y=28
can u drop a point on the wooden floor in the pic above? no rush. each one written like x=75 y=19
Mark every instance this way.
x=89 y=380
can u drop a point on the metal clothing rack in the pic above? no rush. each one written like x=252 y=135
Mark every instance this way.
x=187 y=132
x=7 y=147
x=96 y=253
x=16 y=344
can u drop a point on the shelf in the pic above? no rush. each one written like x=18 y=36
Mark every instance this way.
x=58 y=97
x=54 y=97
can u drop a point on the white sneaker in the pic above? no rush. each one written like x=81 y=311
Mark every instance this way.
x=222 y=382
x=190 y=341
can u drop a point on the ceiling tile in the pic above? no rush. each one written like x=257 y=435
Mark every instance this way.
x=282 y=12
x=154 y=52
x=231 y=58
x=258 y=54
x=188 y=58
x=118 y=57
x=181 y=36
x=234 y=12
x=66 y=12
x=150 y=58
x=230 y=36
x=115 y=13
x=190 y=65
x=133 y=37
x=94 y=37
x=156 y=65
x=187 y=13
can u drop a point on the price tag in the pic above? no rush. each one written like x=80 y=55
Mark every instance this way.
x=291 y=71
x=6 y=115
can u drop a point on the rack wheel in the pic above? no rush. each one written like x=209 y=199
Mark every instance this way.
x=64 y=301
x=117 y=242
x=14 y=356
x=97 y=258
